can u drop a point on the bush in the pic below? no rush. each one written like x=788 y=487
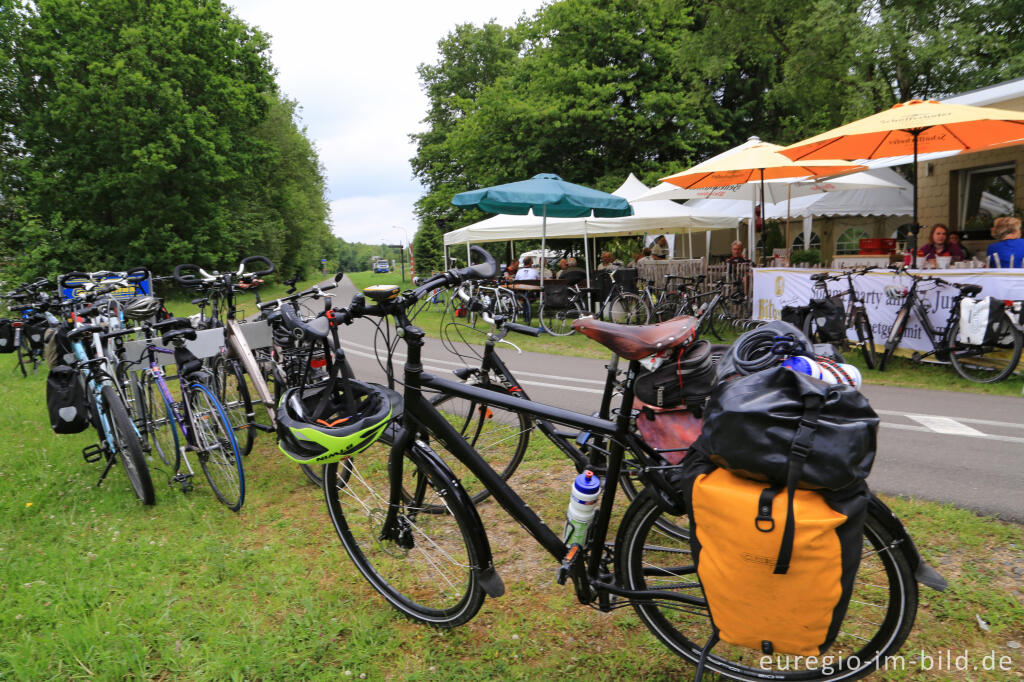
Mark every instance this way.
x=812 y=256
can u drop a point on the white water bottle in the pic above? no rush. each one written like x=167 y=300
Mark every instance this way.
x=582 y=506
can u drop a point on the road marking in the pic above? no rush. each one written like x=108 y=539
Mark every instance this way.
x=924 y=429
x=945 y=425
x=968 y=420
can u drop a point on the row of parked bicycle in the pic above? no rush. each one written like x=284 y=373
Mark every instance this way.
x=402 y=473
x=107 y=342
x=982 y=338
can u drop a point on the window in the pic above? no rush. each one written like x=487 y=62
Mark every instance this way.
x=849 y=241
x=798 y=242
x=985 y=194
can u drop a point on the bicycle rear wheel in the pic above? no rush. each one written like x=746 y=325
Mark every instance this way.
x=985 y=364
x=218 y=450
x=421 y=563
x=881 y=612
x=233 y=394
x=24 y=352
x=865 y=337
x=501 y=436
x=128 y=445
x=668 y=307
x=558 y=321
x=628 y=308
x=161 y=424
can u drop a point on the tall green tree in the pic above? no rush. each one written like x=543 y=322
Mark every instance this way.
x=142 y=124
x=428 y=248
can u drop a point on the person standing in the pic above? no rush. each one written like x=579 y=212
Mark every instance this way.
x=659 y=248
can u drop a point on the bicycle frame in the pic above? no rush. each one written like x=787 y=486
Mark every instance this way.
x=936 y=338
x=419 y=414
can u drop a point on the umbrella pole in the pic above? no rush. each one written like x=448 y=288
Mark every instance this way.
x=543 y=249
x=789 y=206
x=762 y=216
x=912 y=239
x=586 y=262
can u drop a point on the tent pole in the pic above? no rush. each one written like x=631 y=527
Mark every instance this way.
x=467 y=254
x=689 y=239
x=444 y=266
x=789 y=205
x=543 y=250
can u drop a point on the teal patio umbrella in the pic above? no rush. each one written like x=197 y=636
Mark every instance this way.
x=547 y=195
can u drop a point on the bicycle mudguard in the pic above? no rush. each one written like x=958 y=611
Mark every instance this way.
x=925 y=574
x=488 y=576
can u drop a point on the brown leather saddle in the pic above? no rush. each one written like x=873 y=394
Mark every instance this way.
x=634 y=342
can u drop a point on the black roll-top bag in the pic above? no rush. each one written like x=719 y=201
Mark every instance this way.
x=66 y=401
x=6 y=336
x=687 y=378
x=751 y=423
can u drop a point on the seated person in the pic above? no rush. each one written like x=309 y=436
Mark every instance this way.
x=608 y=262
x=659 y=248
x=510 y=271
x=939 y=245
x=570 y=266
x=955 y=239
x=527 y=272
x=1008 y=251
x=544 y=268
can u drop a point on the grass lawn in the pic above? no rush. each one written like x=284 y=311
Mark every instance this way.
x=93 y=585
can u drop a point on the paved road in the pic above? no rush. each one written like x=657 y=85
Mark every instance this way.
x=971 y=456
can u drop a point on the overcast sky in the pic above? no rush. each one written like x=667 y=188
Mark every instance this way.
x=352 y=69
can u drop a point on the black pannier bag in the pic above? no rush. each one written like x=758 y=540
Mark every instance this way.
x=687 y=378
x=66 y=401
x=829 y=316
x=57 y=349
x=35 y=333
x=6 y=336
x=751 y=423
x=795 y=315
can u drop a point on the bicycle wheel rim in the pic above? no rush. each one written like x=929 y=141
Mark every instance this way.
x=559 y=321
x=233 y=395
x=877 y=623
x=430 y=578
x=217 y=449
x=628 y=309
x=128 y=446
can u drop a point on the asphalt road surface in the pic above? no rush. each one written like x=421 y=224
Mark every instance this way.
x=959 y=448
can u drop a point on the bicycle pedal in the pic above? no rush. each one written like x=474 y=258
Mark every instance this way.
x=92 y=453
x=183 y=480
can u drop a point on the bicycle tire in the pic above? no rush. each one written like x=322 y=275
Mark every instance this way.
x=501 y=436
x=424 y=568
x=627 y=308
x=217 y=449
x=20 y=350
x=647 y=558
x=559 y=321
x=505 y=305
x=866 y=338
x=895 y=334
x=669 y=307
x=717 y=317
x=128 y=446
x=131 y=390
x=985 y=364
x=161 y=425
x=234 y=397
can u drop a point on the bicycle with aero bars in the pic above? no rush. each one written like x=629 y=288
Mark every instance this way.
x=982 y=363
x=437 y=568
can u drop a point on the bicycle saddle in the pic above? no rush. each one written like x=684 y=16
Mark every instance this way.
x=634 y=342
x=969 y=289
x=84 y=330
x=172 y=323
x=820 y=277
x=319 y=328
x=188 y=333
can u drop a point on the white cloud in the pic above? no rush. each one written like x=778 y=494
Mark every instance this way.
x=352 y=69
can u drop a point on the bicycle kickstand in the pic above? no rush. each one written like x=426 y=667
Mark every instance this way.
x=111 y=460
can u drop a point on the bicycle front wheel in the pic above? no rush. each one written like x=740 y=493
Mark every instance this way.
x=628 y=309
x=421 y=563
x=218 y=450
x=128 y=445
x=558 y=321
x=866 y=339
x=988 y=363
x=895 y=335
x=881 y=612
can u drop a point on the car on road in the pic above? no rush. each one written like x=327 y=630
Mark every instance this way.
x=381 y=266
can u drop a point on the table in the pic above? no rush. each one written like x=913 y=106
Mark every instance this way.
x=775 y=288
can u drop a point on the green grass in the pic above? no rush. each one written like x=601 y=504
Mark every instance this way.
x=179 y=302
x=93 y=585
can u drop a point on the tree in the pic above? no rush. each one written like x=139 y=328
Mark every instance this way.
x=143 y=127
x=428 y=248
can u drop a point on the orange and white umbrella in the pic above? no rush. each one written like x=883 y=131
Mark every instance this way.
x=914 y=127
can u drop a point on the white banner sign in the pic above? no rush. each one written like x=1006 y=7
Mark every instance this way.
x=775 y=288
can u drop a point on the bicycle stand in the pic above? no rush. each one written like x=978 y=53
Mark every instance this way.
x=111 y=460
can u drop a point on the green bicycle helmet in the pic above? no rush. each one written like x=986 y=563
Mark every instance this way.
x=312 y=429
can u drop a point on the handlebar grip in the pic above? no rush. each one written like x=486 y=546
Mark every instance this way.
x=136 y=275
x=257 y=259
x=63 y=279
x=522 y=329
x=186 y=278
x=486 y=270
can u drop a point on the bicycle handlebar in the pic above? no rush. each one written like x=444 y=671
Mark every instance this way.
x=255 y=259
x=315 y=292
